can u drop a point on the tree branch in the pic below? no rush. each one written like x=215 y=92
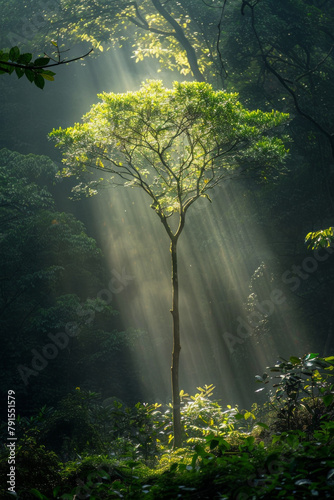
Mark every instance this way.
x=284 y=82
x=182 y=39
x=32 y=67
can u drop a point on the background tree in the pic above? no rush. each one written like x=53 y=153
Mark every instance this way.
x=51 y=273
x=279 y=54
x=182 y=36
x=176 y=145
x=294 y=42
x=155 y=29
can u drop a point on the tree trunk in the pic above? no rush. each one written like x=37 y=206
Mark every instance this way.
x=177 y=428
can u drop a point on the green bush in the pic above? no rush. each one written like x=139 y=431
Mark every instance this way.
x=304 y=395
x=35 y=468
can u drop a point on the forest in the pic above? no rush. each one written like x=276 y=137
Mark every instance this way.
x=166 y=201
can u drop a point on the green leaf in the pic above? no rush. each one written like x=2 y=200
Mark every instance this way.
x=200 y=451
x=328 y=399
x=261 y=424
x=312 y=355
x=47 y=76
x=24 y=58
x=29 y=74
x=275 y=439
x=249 y=441
x=56 y=490
x=294 y=360
x=4 y=56
x=42 y=61
x=51 y=73
x=39 y=81
x=19 y=72
x=38 y=494
x=214 y=443
x=14 y=54
x=224 y=445
x=5 y=68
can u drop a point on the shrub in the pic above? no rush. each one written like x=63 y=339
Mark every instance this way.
x=304 y=395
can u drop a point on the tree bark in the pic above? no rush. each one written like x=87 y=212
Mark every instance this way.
x=177 y=427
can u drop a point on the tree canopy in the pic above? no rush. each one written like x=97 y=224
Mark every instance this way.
x=181 y=35
x=177 y=144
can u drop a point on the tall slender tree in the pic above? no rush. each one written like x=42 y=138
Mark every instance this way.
x=176 y=145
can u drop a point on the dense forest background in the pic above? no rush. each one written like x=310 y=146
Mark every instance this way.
x=85 y=285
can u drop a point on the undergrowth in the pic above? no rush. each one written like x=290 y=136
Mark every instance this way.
x=92 y=449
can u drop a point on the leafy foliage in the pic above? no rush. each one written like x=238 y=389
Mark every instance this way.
x=35 y=71
x=319 y=239
x=176 y=34
x=36 y=469
x=305 y=393
x=175 y=144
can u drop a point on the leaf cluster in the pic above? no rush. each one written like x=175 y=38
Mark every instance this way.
x=319 y=239
x=23 y=65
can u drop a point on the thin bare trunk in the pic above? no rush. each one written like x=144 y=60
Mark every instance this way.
x=177 y=428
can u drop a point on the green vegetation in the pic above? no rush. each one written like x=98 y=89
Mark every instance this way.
x=51 y=273
x=320 y=239
x=283 y=448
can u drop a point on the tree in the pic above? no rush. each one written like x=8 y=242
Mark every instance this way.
x=181 y=35
x=176 y=145
x=156 y=29
x=292 y=43
x=51 y=273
